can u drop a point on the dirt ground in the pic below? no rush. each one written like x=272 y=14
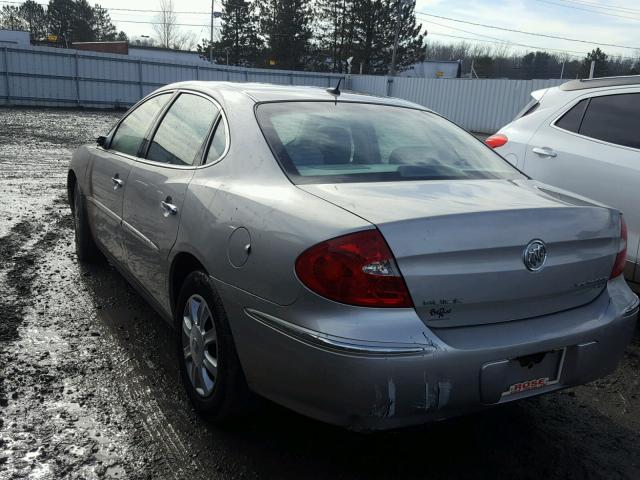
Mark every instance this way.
x=89 y=387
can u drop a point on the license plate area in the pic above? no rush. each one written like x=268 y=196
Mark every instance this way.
x=532 y=372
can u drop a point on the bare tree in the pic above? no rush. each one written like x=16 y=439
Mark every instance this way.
x=165 y=25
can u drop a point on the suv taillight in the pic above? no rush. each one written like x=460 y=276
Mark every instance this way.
x=497 y=140
x=621 y=257
x=356 y=269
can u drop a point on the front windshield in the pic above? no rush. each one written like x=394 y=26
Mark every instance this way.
x=329 y=142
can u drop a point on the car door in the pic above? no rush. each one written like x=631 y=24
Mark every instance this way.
x=157 y=186
x=109 y=173
x=593 y=148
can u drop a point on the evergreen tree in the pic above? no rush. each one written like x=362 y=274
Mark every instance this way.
x=75 y=20
x=600 y=58
x=336 y=26
x=239 y=37
x=35 y=18
x=11 y=19
x=375 y=32
x=103 y=29
x=285 y=24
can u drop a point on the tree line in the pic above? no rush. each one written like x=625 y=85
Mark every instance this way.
x=500 y=62
x=68 y=20
x=318 y=35
x=315 y=35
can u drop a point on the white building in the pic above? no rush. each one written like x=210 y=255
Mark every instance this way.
x=14 y=38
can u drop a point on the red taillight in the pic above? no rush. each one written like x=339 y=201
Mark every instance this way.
x=497 y=140
x=621 y=257
x=357 y=269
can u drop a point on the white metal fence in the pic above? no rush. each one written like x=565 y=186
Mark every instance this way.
x=477 y=105
x=42 y=76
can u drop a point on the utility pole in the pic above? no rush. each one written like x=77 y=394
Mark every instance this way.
x=562 y=71
x=213 y=3
x=592 y=69
x=400 y=3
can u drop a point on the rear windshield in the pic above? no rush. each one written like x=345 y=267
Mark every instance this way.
x=329 y=142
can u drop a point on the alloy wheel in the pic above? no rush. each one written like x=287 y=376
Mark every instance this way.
x=199 y=345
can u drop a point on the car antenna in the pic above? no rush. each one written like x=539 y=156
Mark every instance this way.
x=336 y=90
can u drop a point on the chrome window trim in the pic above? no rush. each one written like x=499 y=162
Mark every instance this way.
x=199 y=165
x=576 y=100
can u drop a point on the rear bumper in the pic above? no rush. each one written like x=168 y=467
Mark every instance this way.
x=367 y=385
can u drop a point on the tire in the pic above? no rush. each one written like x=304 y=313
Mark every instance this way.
x=86 y=248
x=223 y=396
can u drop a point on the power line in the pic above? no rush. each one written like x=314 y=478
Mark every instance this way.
x=597 y=12
x=588 y=42
x=599 y=5
x=501 y=41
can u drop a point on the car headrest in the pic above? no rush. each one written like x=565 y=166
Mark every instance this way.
x=335 y=145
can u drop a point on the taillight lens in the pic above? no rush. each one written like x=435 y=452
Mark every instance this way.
x=621 y=257
x=496 y=140
x=357 y=269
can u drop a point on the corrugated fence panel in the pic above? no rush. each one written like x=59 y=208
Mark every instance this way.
x=50 y=76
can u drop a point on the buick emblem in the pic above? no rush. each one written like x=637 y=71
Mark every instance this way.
x=534 y=255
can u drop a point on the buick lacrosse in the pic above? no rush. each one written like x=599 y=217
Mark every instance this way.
x=360 y=260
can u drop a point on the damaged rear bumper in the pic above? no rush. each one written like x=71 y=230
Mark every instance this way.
x=369 y=385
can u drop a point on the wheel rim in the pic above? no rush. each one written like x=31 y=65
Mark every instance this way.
x=200 y=345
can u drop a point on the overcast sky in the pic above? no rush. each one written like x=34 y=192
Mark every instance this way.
x=599 y=21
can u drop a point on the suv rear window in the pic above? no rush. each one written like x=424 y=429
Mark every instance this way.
x=340 y=142
x=614 y=119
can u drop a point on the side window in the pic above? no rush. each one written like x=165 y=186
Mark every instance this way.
x=183 y=130
x=218 y=143
x=132 y=129
x=614 y=119
x=571 y=120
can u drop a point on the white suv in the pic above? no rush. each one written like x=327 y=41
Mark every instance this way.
x=583 y=136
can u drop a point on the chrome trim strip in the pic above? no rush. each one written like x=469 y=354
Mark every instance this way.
x=141 y=237
x=104 y=208
x=337 y=344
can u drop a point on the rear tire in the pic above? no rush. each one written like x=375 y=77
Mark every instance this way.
x=209 y=364
x=86 y=248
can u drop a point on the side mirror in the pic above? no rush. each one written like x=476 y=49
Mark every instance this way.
x=101 y=141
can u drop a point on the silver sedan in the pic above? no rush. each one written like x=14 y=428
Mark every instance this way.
x=360 y=260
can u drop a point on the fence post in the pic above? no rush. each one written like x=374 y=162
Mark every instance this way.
x=140 y=77
x=77 y=79
x=389 y=82
x=197 y=72
x=290 y=79
x=6 y=75
x=246 y=75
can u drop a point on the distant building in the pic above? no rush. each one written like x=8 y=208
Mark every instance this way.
x=434 y=69
x=103 y=47
x=165 y=54
x=14 y=38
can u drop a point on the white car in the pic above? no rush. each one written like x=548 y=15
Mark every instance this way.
x=583 y=136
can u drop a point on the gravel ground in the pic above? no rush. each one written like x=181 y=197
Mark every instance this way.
x=89 y=387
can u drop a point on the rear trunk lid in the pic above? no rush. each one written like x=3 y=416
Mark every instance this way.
x=460 y=245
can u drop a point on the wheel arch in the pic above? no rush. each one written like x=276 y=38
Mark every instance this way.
x=182 y=265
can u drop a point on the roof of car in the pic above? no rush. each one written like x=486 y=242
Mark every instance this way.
x=266 y=92
x=586 y=83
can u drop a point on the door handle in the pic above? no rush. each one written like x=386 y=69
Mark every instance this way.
x=169 y=208
x=117 y=183
x=544 y=152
